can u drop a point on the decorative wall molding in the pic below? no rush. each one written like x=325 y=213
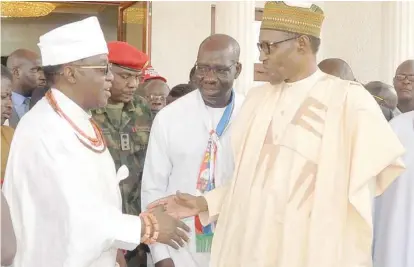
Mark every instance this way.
x=398 y=36
x=236 y=18
x=213 y=19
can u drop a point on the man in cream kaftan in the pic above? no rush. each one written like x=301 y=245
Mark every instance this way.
x=310 y=157
x=394 y=210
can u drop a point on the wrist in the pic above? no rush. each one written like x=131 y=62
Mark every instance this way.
x=201 y=203
x=142 y=226
x=150 y=228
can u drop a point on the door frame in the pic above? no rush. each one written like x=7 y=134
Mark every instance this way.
x=121 y=32
x=122 y=5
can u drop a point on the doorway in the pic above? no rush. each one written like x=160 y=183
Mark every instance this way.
x=123 y=21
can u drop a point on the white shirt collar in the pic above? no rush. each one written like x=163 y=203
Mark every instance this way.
x=18 y=99
x=308 y=80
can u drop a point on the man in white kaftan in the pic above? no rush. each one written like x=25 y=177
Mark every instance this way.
x=180 y=134
x=60 y=182
x=394 y=210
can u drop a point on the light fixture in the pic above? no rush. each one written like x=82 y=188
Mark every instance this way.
x=134 y=15
x=17 y=9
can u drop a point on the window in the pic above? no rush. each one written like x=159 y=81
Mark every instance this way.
x=134 y=24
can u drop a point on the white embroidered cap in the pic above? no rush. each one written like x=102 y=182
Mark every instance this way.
x=298 y=4
x=73 y=41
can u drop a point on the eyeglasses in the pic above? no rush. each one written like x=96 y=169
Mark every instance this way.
x=265 y=46
x=221 y=71
x=157 y=97
x=106 y=68
x=402 y=77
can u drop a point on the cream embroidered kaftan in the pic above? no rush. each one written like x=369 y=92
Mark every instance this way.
x=310 y=156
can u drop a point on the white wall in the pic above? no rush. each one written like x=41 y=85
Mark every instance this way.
x=352 y=31
x=357 y=32
x=178 y=28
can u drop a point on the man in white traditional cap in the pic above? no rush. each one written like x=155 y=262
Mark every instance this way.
x=311 y=152
x=61 y=182
x=394 y=210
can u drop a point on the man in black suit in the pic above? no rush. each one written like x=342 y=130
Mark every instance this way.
x=28 y=75
x=38 y=94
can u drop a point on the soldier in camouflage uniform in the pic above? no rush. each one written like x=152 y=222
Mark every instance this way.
x=125 y=124
x=127 y=139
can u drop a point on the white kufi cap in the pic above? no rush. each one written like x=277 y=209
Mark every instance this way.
x=72 y=42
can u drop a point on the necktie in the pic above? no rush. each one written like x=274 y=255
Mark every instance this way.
x=26 y=104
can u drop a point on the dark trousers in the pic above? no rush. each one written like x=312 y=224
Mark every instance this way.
x=137 y=257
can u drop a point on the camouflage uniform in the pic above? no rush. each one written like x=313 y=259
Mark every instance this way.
x=132 y=125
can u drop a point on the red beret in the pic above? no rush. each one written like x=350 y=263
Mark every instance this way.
x=150 y=73
x=126 y=55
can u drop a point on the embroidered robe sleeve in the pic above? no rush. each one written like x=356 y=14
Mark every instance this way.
x=155 y=179
x=376 y=150
x=215 y=199
x=374 y=163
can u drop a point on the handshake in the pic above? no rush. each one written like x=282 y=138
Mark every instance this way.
x=161 y=222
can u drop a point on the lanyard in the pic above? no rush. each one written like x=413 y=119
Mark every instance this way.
x=206 y=177
x=225 y=119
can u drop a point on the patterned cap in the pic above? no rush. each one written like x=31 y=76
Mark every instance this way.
x=297 y=17
x=127 y=56
x=150 y=73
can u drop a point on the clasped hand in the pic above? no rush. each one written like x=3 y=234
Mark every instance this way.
x=168 y=212
x=179 y=206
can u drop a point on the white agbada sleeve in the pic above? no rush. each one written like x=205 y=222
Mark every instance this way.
x=155 y=179
x=56 y=197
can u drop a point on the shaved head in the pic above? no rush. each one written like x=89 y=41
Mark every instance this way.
x=404 y=85
x=27 y=71
x=156 y=92
x=216 y=69
x=20 y=56
x=383 y=93
x=337 y=67
x=406 y=66
x=221 y=42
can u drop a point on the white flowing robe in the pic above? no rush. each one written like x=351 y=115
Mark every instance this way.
x=177 y=144
x=394 y=210
x=64 y=199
